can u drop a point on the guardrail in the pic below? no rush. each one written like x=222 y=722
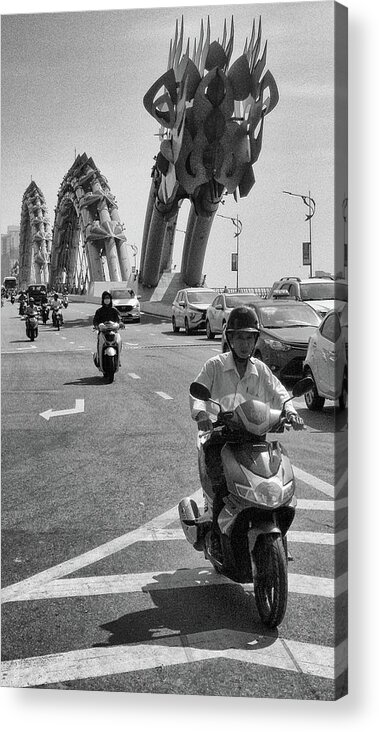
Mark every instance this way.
x=261 y=291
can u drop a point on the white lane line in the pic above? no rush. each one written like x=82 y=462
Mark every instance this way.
x=317 y=483
x=163 y=395
x=307 y=658
x=134 y=376
x=216 y=349
x=26 y=348
x=130 y=344
x=170 y=579
x=71 y=343
x=298 y=537
x=64 y=338
x=312 y=505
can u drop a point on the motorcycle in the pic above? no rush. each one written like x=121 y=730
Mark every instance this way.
x=22 y=307
x=12 y=298
x=259 y=506
x=45 y=312
x=107 y=358
x=31 y=325
x=57 y=318
x=65 y=301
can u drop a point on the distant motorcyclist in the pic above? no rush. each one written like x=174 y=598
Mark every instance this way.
x=105 y=314
x=22 y=299
x=233 y=378
x=31 y=308
x=56 y=305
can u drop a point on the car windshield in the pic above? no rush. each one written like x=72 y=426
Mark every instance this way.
x=288 y=316
x=200 y=297
x=232 y=301
x=324 y=291
x=122 y=294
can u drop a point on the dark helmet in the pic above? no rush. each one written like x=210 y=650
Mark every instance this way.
x=105 y=294
x=242 y=318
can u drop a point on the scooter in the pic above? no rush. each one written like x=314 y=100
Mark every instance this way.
x=259 y=506
x=57 y=319
x=109 y=344
x=31 y=325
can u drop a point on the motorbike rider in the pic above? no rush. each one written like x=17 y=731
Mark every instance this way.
x=106 y=313
x=56 y=305
x=233 y=378
x=31 y=309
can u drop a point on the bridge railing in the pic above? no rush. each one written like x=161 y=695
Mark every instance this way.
x=260 y=291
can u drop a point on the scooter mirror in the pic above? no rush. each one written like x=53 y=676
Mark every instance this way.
x=199 y=391
x=302 y=386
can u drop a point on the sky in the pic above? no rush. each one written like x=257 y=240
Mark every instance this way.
x=73 y=82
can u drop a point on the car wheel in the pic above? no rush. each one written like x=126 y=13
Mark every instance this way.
x=210 y=335
x=175 y=328
x=342 y=401
x=186 y=327
x=312 y=399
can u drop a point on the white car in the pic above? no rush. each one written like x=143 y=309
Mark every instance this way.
x=127 y=304
x=321 y=293
x=326 y=361
x=219 y=310
x=189 y=308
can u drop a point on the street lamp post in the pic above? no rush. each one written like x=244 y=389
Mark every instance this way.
x=238 y=224
x=311 y=210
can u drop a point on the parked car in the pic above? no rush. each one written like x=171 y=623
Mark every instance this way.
x=285 y=327
x=219 y=310
x=326 y=361
x=322 y=293
x=127 y=303
x=189 y=308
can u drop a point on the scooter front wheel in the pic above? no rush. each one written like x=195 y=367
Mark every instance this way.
x=271 y=584
x=109 y=367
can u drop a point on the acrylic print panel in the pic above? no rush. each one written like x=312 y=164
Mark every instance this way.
x=167 y=142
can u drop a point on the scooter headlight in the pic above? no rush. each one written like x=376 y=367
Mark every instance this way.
x=267 y=493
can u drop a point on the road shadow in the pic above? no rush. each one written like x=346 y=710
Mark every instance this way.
x=78 y=322
x=88 y=381
x=329 y=419
x=223 y=616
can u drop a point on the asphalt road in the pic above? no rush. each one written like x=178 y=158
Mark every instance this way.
x=100 y=589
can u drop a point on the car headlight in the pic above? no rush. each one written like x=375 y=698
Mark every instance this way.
x=278 y=345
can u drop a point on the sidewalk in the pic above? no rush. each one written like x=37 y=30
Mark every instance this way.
x=161 y=309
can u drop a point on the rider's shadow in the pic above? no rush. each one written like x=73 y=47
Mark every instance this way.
x=216 y=617
x=87 y=381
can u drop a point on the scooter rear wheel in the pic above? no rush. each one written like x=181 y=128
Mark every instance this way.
x=271 y=584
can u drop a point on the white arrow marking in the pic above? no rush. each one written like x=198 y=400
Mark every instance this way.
x=79 y=407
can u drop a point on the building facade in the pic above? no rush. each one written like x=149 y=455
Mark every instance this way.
x=10 y=244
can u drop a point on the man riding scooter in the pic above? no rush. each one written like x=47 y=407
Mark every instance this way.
x=56 y=307
x=233 y=378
